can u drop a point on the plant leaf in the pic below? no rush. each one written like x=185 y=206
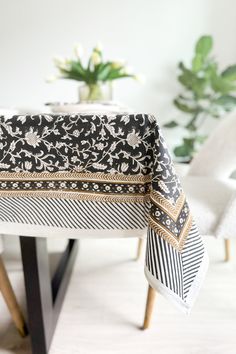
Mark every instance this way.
x=186 y=149
x=204 y=46
x=230 y=73
x=200 y=138
x=183 y=151
x=183 y=107
x=222 y=84
x=226 y=101
x=171 y=124
x=197 y=62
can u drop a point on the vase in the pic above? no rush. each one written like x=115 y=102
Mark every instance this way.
x=98 y=92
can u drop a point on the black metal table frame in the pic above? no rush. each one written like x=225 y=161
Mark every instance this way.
x=44 y=295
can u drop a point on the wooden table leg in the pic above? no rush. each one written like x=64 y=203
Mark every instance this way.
x=227 y=249
x=149 y=307
x=139 y=248
x=10 y=299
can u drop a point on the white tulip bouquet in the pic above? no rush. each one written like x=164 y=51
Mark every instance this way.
x=94 y=72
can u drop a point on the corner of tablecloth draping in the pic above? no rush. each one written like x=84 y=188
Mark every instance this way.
x=187 y=305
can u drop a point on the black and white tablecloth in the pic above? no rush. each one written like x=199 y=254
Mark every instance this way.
x=96 y=175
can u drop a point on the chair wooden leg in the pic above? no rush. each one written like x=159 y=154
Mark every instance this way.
x=10 y=299
x=139 y=248
x=227 y=250
x=149 y=307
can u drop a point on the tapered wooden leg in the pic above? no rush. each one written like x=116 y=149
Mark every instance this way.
x=227 y=250
x=149 y=307
x=10 y=299
x=139 y=248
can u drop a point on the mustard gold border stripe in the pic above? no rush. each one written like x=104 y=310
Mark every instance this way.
x=172 y=210
x=96 y=177
x=162 y=231
x=132 y=198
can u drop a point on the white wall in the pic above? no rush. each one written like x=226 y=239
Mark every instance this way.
x=153 y=35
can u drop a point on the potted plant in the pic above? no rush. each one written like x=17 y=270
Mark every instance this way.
x=206 y=93
x=96 y=75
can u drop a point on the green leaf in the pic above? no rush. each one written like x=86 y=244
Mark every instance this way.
x=171 y=124
x=189 y=142
x=211 y=69
x=186 y=149
x=226 y=101
x=204 y=46
x=230 y=73
x=183 y=107
x=222 y=84
x=197 y=63
x=200 y=138
x=103 y=72
x=191 y=125
x=193 y=83
x=183 y=151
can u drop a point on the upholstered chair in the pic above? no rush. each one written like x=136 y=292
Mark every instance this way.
x=208 y=184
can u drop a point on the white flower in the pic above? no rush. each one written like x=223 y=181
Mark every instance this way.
x=21 y=119
x=51 y=78
x=76 y=133
x=79 y=50
x=99 y=46
x=100 y=146
x=58 y=61
x=119 y=63
x=125 y=119
x=129 y=70
x=28 y=165
x=133 y=139
x=74 y=159
x=32 y=138
x=95 y=58
x=62 y=63
x=124 y=166
x=140 y=78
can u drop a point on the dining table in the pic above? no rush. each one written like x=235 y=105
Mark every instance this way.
x=97 y=174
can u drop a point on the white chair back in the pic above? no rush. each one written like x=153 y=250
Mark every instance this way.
x=217 y=158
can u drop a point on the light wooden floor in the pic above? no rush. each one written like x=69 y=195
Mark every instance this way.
x=104 y=307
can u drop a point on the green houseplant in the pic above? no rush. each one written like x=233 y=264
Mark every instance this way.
x=96 y=74
x=206 y=92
